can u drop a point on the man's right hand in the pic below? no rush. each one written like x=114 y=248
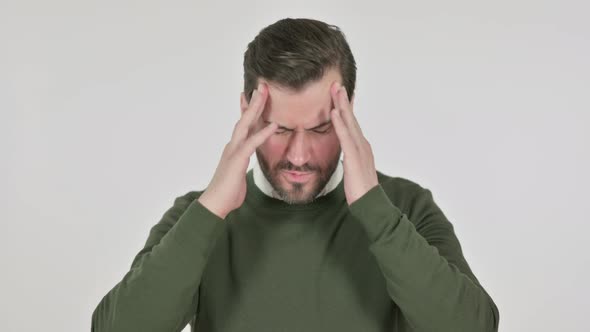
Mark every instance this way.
x=227 y=189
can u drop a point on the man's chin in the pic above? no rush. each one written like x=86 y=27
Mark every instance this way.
x=298 y=192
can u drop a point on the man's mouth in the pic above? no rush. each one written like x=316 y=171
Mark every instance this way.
x=297 y=176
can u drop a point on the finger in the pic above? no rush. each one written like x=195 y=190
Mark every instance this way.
x=262 y=135
x=238 y=131
x=348 y=115
x=334 y=94
x=251 y=114
x=257 y=110
x=263 y=97
x=346 y=140
x=340 y=104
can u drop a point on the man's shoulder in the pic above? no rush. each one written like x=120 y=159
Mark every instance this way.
x=398 y=183
x=401 y=191
x=183 y=200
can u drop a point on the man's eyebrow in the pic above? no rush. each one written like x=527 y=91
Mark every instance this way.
x=314 y=128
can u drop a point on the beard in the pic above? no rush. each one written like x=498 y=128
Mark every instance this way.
x=294 y=192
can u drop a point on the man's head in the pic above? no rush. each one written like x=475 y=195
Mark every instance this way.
x=298 y=60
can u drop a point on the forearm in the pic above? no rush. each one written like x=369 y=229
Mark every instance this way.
x=432 y=293
x=160 y=290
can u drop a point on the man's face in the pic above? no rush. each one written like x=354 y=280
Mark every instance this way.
x=305 y=142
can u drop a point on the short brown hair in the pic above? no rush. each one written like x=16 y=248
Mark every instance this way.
x=293 y=52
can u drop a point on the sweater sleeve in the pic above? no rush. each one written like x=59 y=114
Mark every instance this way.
x=425 y=272
x=160 y=291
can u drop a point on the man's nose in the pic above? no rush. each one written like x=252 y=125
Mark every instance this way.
x=298 y=151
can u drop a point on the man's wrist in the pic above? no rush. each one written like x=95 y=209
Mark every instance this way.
x=204 y=200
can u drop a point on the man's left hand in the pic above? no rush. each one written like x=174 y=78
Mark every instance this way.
x=360 y=174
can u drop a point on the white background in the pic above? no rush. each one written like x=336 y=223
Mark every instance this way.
x=111 y=109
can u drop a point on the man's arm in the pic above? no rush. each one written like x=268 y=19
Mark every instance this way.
x=160 y=291
x=423 y=265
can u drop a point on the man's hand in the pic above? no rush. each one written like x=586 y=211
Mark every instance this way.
x=360 y=174
x=227 y=189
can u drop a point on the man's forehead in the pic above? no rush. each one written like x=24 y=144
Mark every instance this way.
x=291 y=114
x=306 y=108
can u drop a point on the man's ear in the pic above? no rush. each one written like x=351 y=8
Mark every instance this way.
x=243 y=102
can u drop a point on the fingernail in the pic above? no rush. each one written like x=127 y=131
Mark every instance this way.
x=337 y=86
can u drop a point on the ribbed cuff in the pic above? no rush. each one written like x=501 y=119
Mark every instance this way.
x=198 y=228
x=375 y=212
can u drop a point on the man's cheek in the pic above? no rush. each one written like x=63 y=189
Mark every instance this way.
x=274 y=144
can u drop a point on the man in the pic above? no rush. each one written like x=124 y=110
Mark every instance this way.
x=304 y=241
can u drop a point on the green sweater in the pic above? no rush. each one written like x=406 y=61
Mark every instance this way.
x=388 y=262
